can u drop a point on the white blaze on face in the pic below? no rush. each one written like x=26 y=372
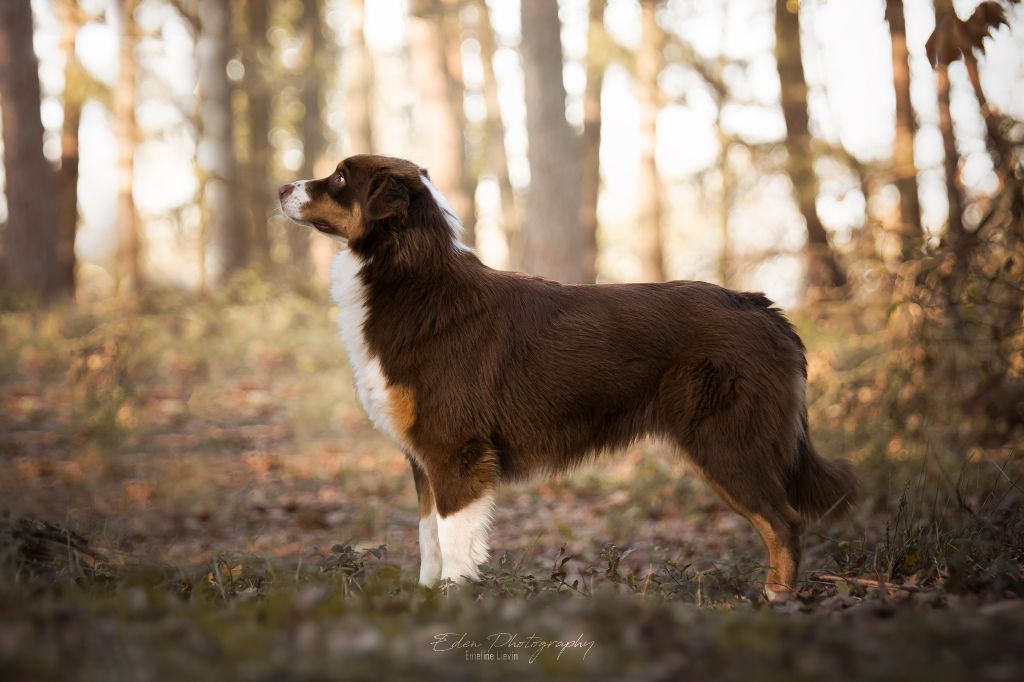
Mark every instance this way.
x=296 y=201
x=430 y=550
x=464 y=541
x=450 y=216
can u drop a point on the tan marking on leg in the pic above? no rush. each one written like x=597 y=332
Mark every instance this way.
x=782 y=556
x=430 y=549
x=424 y=491
x=426 y=501
x=780 y=533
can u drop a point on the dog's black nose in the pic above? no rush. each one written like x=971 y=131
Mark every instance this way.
x=284 y=190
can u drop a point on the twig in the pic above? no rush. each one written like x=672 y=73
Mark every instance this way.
x=220 y=584
x=868 y=582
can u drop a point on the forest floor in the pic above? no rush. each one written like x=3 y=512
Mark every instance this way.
x=234 y=515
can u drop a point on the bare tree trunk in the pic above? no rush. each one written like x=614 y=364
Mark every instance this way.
x=725 y=141
x=955 y=229
x=648 y=65
x=129 y=239
x=863 y=239
x=190 y=14
x=725 y=203
x=439 y=115
x=824 y=270
x=217 y=158
x=552 y=238
x=67 y=179
x=911 y=232
x=996 y=142
x=30 y=239
x=494 y=128
x=451 y=34
x=311 y=126
x=590 y=158
x=258 y=181
x=358 y=81
x=67 y=186
x=955 y=226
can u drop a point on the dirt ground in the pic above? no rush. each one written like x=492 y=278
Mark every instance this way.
x=240 y=518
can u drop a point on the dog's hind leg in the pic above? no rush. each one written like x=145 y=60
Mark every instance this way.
x=430 y=548
x=739 y=427
x=778 y=524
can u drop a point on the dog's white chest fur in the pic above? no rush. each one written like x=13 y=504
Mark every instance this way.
x=349 y=293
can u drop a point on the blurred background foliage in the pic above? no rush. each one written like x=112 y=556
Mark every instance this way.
x=200 y=108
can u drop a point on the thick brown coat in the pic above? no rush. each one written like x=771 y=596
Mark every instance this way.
x=495 y=376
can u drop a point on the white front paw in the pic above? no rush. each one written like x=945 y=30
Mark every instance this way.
x=430 y=573
x=430 y=551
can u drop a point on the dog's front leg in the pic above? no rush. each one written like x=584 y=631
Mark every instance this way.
x=463 y=536
x=430 y=549
x=464 y=485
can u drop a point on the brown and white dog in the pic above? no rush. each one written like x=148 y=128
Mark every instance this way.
x=482 y=376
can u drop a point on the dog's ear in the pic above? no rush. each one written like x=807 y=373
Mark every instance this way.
x=386 y=197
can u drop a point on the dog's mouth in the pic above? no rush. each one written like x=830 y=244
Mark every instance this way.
x=317 y=225
x=326 y=230
x=320 y=226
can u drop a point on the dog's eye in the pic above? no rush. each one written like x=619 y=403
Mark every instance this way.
x=339 y=178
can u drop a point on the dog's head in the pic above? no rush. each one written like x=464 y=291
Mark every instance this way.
x=367 y=200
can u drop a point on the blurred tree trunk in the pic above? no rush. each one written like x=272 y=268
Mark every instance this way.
x=440 y=116
x=129 y=238
x=314 y=141
x=995 y=140
x=713 y=75
x=30 y=239
x=725 y=203
x=257 y=59
x=955 y=229
x=67 y=187
x=953 y=39
x=359 y=77
x=590 y=158
x=911 y=233
x=552 y=244
x=451 y=33
x=648 y=66
x=824 y=270
x=217 y=151
x=75 y=82
x=494 y=128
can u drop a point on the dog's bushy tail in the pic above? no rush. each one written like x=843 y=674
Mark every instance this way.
x=821 y=488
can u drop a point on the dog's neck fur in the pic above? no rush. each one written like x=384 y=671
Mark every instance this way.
x=430 y=240
x=380 y=274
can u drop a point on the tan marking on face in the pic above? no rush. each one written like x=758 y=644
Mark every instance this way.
x=345 y=222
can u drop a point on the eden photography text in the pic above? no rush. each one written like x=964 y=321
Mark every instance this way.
x=508 y=646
